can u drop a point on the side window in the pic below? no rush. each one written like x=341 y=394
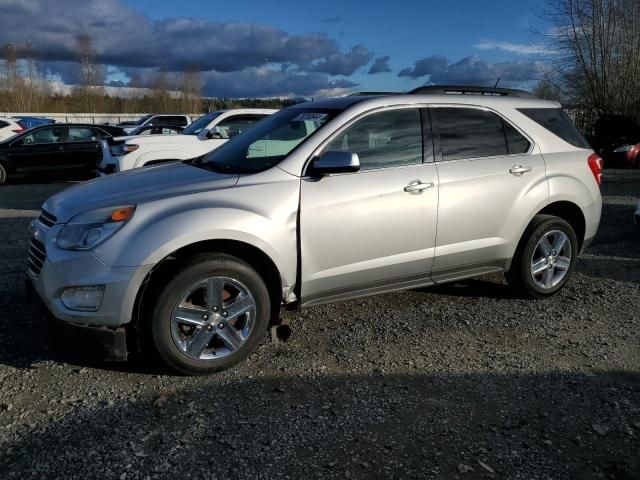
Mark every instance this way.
x=81 y=134
x=469 y=133
x=3 y=124
x=516 y=143
x=232 y=126
x=385 y=139
x=44 y=136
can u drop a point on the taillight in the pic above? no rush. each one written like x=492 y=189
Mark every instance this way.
x=596 y=163
x=18 y=131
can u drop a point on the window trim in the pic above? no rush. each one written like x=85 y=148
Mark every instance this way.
x=351 y=121
x=435 y=127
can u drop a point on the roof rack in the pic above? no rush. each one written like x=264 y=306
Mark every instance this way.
x=370 y=94
x=466 y=90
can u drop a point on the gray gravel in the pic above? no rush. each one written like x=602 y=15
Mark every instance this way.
x=459 y=381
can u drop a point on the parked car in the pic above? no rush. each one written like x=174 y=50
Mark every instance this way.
x=205 y=134
x=54 y=148
x=30 y=122
x=325 y=201
x=9 y=127
x=617 y=141
x=157 y=130
x=155 y=121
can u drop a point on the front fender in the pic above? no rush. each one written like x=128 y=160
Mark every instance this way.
x=263 y=215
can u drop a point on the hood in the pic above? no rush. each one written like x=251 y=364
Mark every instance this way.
x=135 y=186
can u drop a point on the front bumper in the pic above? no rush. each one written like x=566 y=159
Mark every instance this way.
x=58 y=269
x=104 y=342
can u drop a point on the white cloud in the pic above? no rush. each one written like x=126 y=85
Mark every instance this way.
x=517 y=48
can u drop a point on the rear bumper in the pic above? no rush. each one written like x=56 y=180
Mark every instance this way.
x=106 y=342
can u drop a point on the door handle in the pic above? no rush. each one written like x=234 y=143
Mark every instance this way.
x=519 y=169
x=416 y=188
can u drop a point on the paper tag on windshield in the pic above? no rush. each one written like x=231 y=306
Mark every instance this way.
x=310 y=117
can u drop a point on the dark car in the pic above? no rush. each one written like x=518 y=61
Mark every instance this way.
x=617 y=141
x=157 y=130
x=57 y=147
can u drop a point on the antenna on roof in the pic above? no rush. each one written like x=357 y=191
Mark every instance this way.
x=497 y=82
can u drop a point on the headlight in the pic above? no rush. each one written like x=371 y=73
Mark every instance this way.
x=123 y=149
x=624 y=148
x=89 y=229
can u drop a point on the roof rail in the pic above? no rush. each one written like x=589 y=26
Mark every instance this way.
x=371 y=94
x=467 y=90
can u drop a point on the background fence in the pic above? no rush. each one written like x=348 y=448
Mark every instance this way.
x=584 y=118
x=91 y=118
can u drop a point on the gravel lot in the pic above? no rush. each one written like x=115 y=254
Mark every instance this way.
x=459 y=381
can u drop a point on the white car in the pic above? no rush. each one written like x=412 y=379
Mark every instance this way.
x=156 y=121
x=202 y=136
x=9 y=127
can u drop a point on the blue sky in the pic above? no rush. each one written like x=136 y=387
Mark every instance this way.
x=329 y=46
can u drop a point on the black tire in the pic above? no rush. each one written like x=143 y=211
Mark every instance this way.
x=3 y=174
x=198 y=269
x=519 y=275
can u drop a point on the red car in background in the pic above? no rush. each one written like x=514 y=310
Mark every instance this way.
x=617 y=141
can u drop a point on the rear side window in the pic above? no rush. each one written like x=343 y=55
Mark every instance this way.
x=557 y=122
x=516 y=143
x=3 y=124
x=177 y=120
x=469 y=133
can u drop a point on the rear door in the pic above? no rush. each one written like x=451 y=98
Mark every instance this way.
x=38 y=150
x=82 y=147
x=491 y=179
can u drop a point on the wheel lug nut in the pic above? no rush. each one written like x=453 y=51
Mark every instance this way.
x=215 y=309
x=221 y=326
x=224 y=314
x=209 y=328
x=205 y=317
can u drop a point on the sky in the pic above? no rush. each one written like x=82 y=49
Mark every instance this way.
x=287 y=48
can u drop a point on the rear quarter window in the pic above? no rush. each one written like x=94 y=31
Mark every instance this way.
x=557 y=122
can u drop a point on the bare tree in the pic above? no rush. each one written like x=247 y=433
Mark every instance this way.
x=92 y=75
x=190 y=87
x=595 y=47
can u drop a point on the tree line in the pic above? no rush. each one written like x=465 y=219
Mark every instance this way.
x=23 y=88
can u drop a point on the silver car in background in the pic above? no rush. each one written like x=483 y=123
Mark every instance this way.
x=321 y=202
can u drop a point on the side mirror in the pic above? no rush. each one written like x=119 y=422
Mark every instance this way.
x=336 y=162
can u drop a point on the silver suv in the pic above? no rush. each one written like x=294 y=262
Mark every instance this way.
x=321 y=202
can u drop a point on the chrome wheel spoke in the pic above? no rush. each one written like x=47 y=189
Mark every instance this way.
x=559 y=242
x=190 y=315
x=563 y=263
x=230 y=336
x=539 y=266
x=239 y=307
x=199 y=342
x=548 y=277
x=545 y=245
x=215 y=287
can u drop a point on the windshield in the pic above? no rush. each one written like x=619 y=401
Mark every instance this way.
x=268 y=142
x=140 y=121
x=200 y=124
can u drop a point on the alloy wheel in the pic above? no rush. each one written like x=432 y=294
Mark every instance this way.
x=551 y=259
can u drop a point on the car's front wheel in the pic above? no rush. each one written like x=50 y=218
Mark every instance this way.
x=211 y=315
x=545 y=258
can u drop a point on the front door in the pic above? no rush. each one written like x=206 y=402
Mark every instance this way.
x=373 y=230
x=83 y=149
x=41 y=149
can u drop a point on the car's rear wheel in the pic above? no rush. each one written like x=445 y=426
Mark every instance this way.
x=211 y=315
x=3 y=174
x=545 y=258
